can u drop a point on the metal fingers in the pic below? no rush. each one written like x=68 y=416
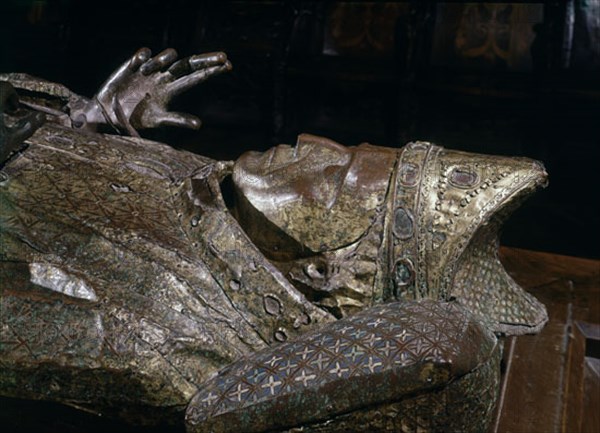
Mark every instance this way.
x=180 y=120
x=125 y=70
x=139 y=58
x=194 y=63
x=188 y=81
x=144 y=85
x=159 y=62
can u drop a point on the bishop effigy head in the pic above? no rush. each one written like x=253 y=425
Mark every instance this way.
x=344 y=286
x=355 y=226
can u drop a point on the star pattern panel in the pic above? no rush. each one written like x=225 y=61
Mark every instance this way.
x=384 y=353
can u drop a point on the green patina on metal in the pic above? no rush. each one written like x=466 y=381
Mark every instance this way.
x=346 y=289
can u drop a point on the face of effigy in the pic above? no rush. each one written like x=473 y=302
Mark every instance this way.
x=351 y=227
x=321 y=194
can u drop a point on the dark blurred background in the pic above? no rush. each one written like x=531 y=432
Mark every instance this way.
x=513 y=78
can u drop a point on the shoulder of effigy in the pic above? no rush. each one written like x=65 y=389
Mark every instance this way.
x=22 y=81
x=58 y=164
x=86 y=185
x=106 y=153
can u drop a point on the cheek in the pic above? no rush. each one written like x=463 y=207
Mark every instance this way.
x=319 y=184
x=334 y=172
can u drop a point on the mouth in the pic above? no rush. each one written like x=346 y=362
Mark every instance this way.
x=482 y=284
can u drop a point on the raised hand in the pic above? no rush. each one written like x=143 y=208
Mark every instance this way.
x=137 y=94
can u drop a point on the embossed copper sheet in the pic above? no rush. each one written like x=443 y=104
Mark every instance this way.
x=465 y=405
x=134 y=274
x=128 y=258
x=370 y=359
x=130 y=283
